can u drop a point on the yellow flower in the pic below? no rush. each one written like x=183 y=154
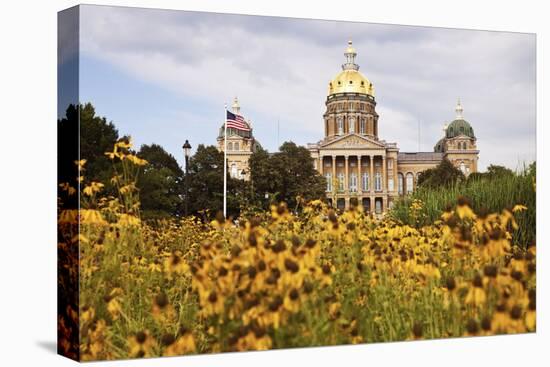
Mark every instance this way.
x=80 y=164
x=476 y=294
x=135 y=160
x=184 y=344
x=92 y=188
x=127 y=220
x=141 y=345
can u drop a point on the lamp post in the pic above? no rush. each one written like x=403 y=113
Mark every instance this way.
x=186 y=152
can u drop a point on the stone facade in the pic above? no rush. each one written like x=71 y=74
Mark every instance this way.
x=240 y=146
x=360 y=168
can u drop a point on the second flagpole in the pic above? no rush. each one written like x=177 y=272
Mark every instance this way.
x=225 y=163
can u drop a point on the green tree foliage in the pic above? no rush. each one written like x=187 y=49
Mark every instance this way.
x=97 y=136
x=444 y=174
x=285 y=176
x=206 y=185
x=160 y=183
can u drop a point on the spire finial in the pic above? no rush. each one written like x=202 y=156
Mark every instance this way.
x=459 y=110
x=350 y=58
x=236 y=107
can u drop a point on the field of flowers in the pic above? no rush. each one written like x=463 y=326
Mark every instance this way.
x=281 y=280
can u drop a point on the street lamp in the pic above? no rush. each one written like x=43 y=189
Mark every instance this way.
x=186 y=152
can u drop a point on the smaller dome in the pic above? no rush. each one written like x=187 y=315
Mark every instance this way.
x=459 y=127
x=440 y=146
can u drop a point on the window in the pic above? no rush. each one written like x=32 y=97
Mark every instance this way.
x=400 y=183
x=328 y=177
x=410 y=180
x=378 y=182
x=365 y=181
x=362 y=126
x=353 y=182
x=352 y=125
x=340 y=126
x=390 y=184
x=229 y=146
x=340 y=181
x=462 y=167
x=236 y=146
x=378 y=206
x=234 y=172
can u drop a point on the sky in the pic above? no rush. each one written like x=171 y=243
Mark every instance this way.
x=164 y=76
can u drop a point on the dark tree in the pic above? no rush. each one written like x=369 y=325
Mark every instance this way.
x=286 y=175
x=206 y=185
x=498 y=171
x=97 y=136
x=444 y=174
x=160 y=183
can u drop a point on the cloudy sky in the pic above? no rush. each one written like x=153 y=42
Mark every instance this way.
x=164 y=76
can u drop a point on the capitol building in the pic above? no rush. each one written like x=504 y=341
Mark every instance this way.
x=360 y=168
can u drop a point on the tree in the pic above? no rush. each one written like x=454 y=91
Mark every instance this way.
x=97 y=136
x=206 y=185
x=160 y=183
x=498 y=171
x=444 y=174
x=286 y=175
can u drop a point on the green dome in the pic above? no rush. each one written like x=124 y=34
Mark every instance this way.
x=439 y=146
x=459 y=127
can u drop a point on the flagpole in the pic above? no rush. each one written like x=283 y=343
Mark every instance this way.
x=225 y=162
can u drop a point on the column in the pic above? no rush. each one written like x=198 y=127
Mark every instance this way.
x=321 y=168
x=334 y=189
x=395 y=183
x=359 y=177
x=346 y=177
x=371 y=176
x=384 y=178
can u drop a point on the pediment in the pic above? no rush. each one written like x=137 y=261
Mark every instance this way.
x=353 y=141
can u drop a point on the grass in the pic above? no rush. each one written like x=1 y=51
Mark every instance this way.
x=487 y=194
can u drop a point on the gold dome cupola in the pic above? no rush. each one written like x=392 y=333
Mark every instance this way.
x=350 y=80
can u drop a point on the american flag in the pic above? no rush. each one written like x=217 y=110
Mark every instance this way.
x=236 y=122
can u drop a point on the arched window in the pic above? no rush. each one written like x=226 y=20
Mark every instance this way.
x=378 y=182
x=409 y=183
x=340 y=125
x=340 y=181
x=365 y=181
x=363 y=126
x=400 y=183
x=229 y=146
x=353 y=182
x=328 y=177
x=234 y=171
x=351 y=125
x=236 y=146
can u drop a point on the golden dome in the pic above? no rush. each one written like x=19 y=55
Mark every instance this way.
x=350 y=80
